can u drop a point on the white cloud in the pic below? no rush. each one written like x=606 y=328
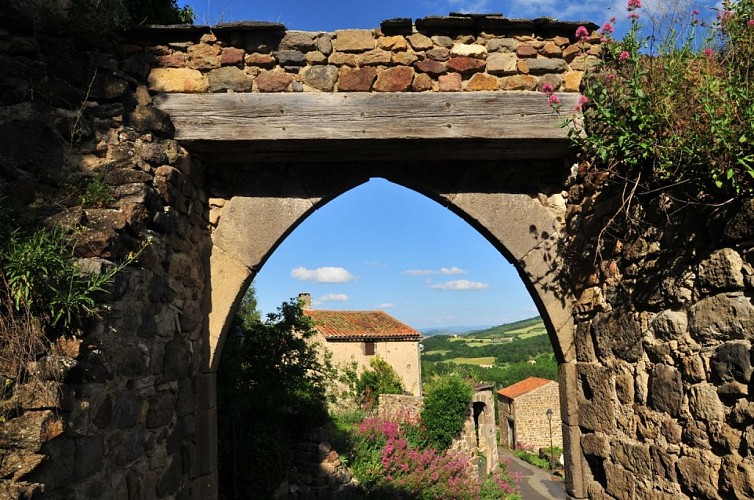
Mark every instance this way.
x=323 y=274
x=333 y=297
x=443 y=270
x=385 y=305
x=460 y=285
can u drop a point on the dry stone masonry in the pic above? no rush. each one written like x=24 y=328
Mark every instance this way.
x=654 y=340
x=451 y=54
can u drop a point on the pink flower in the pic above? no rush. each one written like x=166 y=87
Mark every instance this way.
x=608 y=28
x=612 y=20
x=580 y=103
x=709 y=53
x=624 y=55
x=695 y=12
x=633 y=15
x=750 y=22
x=547 y=88
x=633 y=5
x=553 y=100
x=582 y=33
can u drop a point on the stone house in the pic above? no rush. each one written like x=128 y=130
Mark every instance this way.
x=361 y=335
x=523 y=413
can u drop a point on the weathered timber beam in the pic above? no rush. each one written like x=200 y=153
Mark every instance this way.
x=500 y=116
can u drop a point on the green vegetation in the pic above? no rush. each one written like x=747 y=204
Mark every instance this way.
x=446 y=406
x=44 y=294
x=379 y=378
x=517 y=351
x=271 y=384
x=473 y=361
x=681 y=120
x=404 y=457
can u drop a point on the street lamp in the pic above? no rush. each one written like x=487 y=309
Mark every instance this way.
x=549 y=419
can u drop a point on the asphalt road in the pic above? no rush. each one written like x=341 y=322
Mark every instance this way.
x=536 y=484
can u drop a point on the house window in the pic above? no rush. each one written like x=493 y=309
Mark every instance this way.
x=369 y=348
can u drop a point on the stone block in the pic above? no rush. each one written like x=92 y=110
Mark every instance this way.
x=578 y=470
x=342 y=59
x=633 y=457
x=395 y=43
x=469 y=50
x=519 y=82
x=404 y=58
x=731 y=362
x=420 y=42
x=669 y=325
x=396 y=79
x=438 y=54
x=273 y=81
x=618 y=334
x=595 y=444
x=177 y=80
x=422 y=83
x=465 y=65
x=324 y=44
x=699 y=476
x=356 y=79
x=203 y=56
x=526 y=51
x=482 y=81
x=450 y=83
x=321 y=77
x=502 y=45
x=705 y=404
x=228 y=78
x=620 y=482
x=231 y=56
x=442 y=41
x=721 y=271
x=596 y=411
x=354 y=40
x=431 y=67
x=666 y=389
x=302 y=41
x=547 y=65
x=572 y=81
x=290 y=57
x=260 y=60
x=722 y=317
x=501 y=63
x=374 y=57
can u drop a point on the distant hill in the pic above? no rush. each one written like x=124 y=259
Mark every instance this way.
x=525 y=327
x=452 y=330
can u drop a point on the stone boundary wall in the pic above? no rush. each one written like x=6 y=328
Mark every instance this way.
x=442 y=56
x=664 y=329
x=400 y=406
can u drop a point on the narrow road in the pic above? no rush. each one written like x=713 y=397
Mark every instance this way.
x=536 y=483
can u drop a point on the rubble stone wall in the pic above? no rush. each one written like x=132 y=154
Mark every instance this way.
x=656 y=403
x=483 y=55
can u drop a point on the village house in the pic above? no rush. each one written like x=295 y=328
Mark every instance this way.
x=523 y=414
x=361 y=335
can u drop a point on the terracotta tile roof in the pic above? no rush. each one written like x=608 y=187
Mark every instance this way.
x=360 y=325
x=521 y=388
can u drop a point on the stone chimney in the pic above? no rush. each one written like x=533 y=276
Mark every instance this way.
x=305 y=298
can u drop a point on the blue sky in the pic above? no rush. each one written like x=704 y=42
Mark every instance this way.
x=381 y=246
x=340 y=14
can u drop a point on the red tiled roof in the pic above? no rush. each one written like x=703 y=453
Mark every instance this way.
x=359 y=325
x=521 y=388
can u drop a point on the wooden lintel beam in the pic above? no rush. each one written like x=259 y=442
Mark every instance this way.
x=499 y=116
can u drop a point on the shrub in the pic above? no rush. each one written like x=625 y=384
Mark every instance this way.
x=446 y=407
x=379 y=378
x=683 y=117
x=388 y=464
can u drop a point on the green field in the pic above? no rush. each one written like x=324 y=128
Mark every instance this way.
x=487 y=360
